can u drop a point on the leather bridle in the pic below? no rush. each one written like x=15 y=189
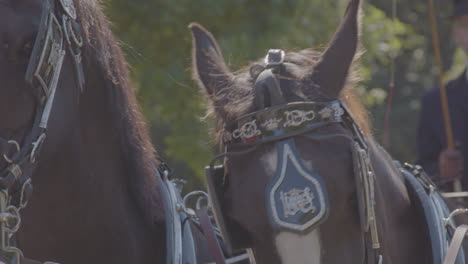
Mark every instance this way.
x=283 y=121
x=59 y=33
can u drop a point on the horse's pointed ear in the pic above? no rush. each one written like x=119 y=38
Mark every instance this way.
x=209 y=69
x=331 y=72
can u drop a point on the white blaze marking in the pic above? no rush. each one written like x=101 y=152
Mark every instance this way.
x=299 y=249
x=270 y=162
x=293 y=248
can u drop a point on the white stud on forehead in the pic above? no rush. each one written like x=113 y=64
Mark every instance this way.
x=274 y=57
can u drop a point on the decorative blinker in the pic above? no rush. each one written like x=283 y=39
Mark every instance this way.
x=297 y=197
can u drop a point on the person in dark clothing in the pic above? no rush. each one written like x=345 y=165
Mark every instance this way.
x=442 y=164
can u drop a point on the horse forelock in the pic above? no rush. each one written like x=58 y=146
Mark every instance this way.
x=239 y=93
x=102 y=48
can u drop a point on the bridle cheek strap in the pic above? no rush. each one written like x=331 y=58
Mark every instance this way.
x=58 y=28
x=297 y=197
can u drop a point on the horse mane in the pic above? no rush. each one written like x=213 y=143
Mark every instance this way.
x=239 y=92
x=102 y=48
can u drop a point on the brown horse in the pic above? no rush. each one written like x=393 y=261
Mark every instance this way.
x=309 y=79
x=96 y=196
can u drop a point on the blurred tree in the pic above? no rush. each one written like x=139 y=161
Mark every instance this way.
x=158 y=45
x=415 y=70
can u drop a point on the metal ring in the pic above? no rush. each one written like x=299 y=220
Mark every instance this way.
x=15 y=212
x=8 y=160
x=18 y=149
x=448 y=222
x=202 y=194
x=200 y=200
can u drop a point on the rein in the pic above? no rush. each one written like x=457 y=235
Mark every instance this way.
x=58 y=28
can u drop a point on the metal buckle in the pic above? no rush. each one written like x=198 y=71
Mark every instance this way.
x=274 y=57
x=164 y=169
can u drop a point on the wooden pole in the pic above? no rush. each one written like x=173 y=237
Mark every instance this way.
x=457 y=187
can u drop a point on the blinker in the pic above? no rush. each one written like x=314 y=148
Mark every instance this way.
x=297 y=197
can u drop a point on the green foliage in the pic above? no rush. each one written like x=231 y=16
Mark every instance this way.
x=158 y=45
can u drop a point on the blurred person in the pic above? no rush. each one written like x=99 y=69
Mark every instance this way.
x=442 y=164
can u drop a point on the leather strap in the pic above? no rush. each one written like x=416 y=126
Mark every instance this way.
x=455 y=244
x=207 y=229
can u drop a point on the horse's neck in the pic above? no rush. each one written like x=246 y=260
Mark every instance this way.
x=82 y=210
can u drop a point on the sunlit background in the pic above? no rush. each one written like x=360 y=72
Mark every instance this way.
x=157 y=42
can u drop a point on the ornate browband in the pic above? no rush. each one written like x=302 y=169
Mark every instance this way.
x=282 y=121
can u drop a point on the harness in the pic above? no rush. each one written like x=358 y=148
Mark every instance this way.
x=438 y=219
x=181 y=247
x=58 y=29
x=296 y=197
x=180 y=244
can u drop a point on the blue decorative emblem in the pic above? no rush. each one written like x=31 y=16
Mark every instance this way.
x=297 y=198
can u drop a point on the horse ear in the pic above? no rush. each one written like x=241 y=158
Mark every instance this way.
x=331 y=71
x=209 y=69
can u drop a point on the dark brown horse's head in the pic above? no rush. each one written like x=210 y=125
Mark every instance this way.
x=19 y=22
x=95 y=175
x=20 y=99
x=304 y=76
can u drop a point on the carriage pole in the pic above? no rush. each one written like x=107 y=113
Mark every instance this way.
x=457 y=187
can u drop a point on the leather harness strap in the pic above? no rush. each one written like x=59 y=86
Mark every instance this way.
x=455 y=244
x=57 y=29
x=207 y=229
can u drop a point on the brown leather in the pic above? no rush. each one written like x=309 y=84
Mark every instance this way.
x=213 y=242
x=455 y=244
